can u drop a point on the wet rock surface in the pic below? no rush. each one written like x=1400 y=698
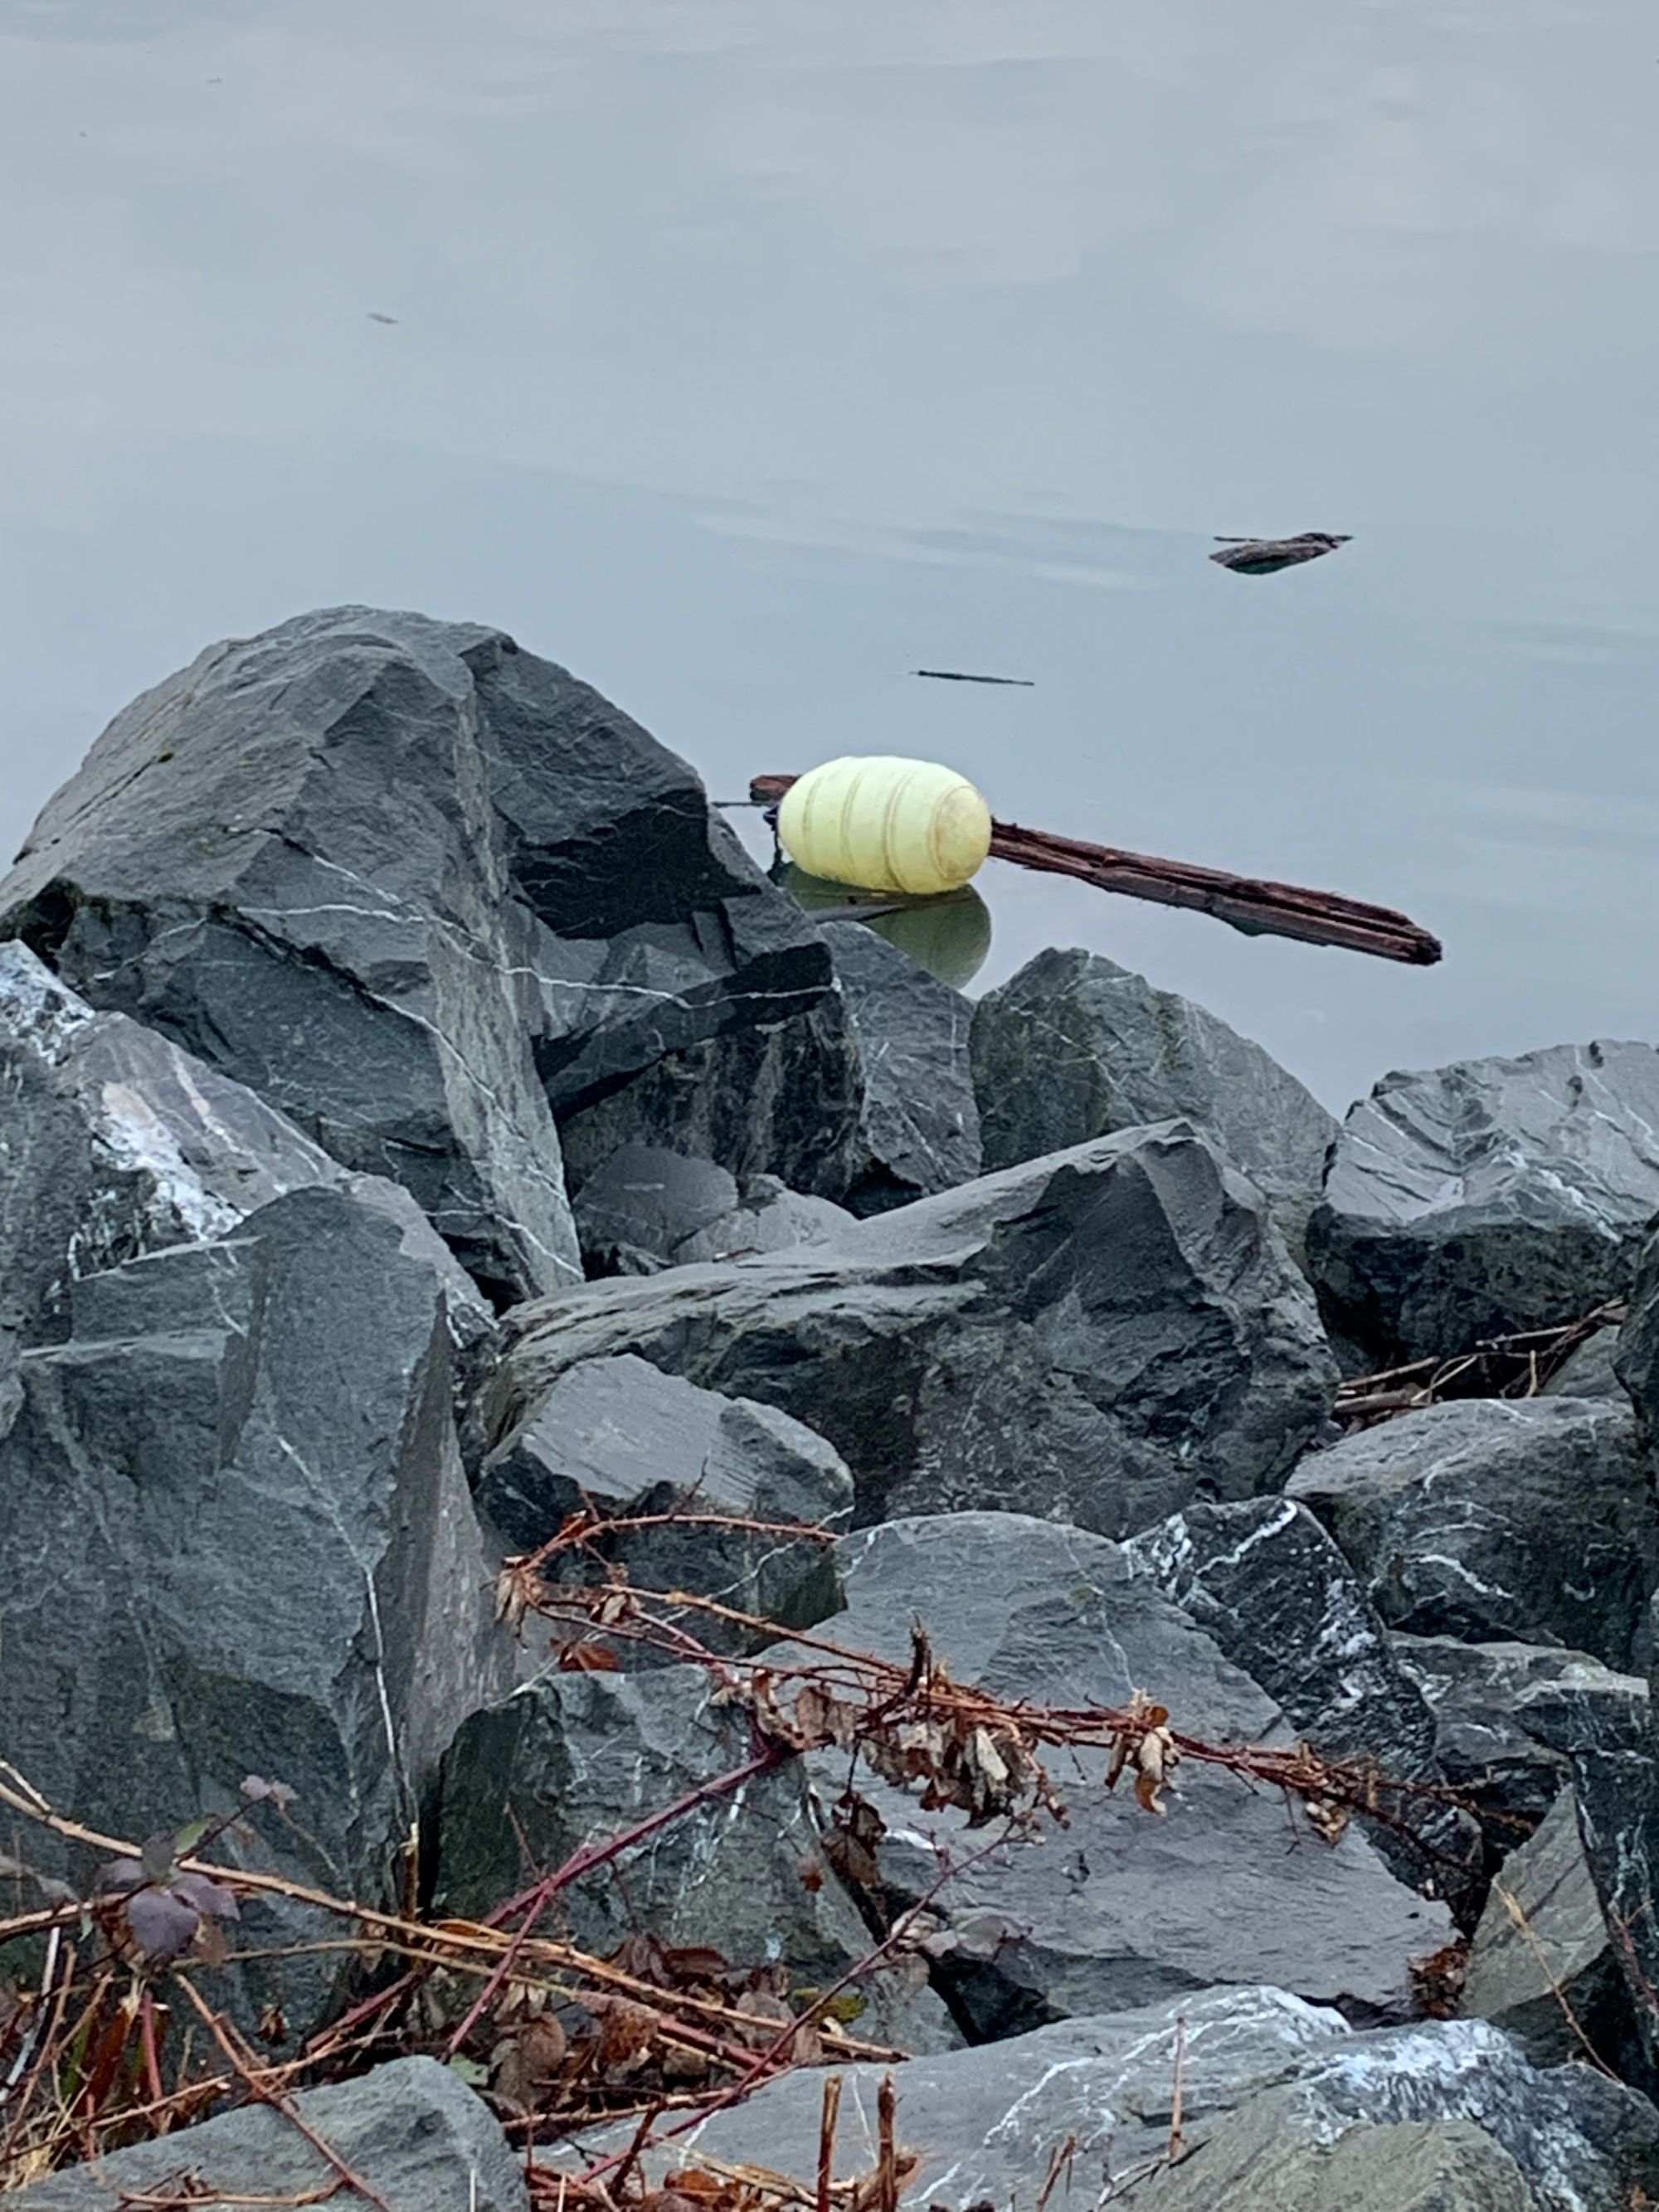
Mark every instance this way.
x=1075 y=1047
x=1534 y=1520
x=239 y=1540
x=411 y=2130
x=114 y=1143
x=1116 y=1909
x=1264 y=1579
x=1490 y=1196
x=918 y=1129
x=644 y=1209
x=1542 y=1957
x=1125 y=1309
x=620 y=1436
x=1506 y=1716
x=415 y=967
x=575 y=1760
x=1275 y=2093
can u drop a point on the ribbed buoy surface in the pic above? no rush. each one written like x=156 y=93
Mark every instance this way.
x=886 y=824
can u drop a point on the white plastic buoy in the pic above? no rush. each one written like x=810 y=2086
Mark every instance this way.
x=885 y=824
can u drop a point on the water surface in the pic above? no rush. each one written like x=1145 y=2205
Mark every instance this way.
x=747 y=355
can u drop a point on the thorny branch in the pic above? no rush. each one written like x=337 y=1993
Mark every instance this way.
x=102 y=2044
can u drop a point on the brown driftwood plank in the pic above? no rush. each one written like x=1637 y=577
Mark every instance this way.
x=1248 y=903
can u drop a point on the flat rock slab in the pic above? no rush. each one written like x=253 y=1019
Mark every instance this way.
x=1074 y=1046
x=1488 y=1197
x=576 y=1759
x=114 y=1142
x=1533 y=1521
x=1537 y=1974
x=624 y=1438
x=1100 y=1336
x=239 y=1540
x=414 y=2132
x=1266 y=2084
x=417 y=888
x=1118 y=1908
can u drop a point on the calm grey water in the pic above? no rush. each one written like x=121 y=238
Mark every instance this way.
x=748 y=354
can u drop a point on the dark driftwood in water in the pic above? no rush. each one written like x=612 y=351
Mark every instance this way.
x=1257 y=907
x=956 y=676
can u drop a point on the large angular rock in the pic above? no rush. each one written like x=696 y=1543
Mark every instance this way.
x=1415 y=2165
x=918 y=1129
x=785 y=1098
x=1504 y=1714
x=1074 y=1046
x=1582 y=2142
x=628 y=1439
x=1118 y=1908
x=1487 y=1197
x=1102 y=1336
x=114 y=1143
x=1613 y=1748
x=1264 y=1579
x=1535 y=1975
x=644 y=1209
x=1533 y=1521
x=411 y=2130
x=410 y=885
x=1272 y=2092
x=988 y=2121
x=238 y=1539
x=1636 y=1357
x=576 y=1759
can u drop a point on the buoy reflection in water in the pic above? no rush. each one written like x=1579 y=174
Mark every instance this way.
x=950 y=935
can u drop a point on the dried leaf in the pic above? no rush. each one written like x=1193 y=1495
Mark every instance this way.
x=209 y=1945
x=255 y=1787
x=116 y=1876
x=625 y=2033
x=206 y=1897
x=163 y=1926
x=810 y=1874
x=588 y=1659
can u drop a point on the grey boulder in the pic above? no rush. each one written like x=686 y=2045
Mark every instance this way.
x=576 y=1760
x=783 y=1098
x=239 y=1540
x=1276 y=2097
x=645 y=1208
x=1506 y=1714
x=414 y=886
x=1101 y=1335
x=1118 y=1908
x=918 y=1127
x=1264 y=1579
x=988 y=2121
x=113 y=1143
x=1533 y=1520
x=1542 y=1959
x=411 y=2130
x=624 y=1438
x=1488 y=1197
x=1074 y=1046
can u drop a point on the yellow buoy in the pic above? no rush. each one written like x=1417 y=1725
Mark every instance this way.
x=884 y=824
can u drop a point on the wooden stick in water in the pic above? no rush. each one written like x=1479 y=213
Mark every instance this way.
x=1258 y=907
